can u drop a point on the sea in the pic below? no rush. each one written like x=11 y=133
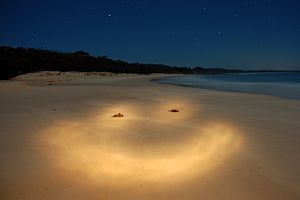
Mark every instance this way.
x=279 y=84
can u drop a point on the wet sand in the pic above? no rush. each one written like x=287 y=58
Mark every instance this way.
x=58 y=140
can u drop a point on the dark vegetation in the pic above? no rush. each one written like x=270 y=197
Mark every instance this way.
x=16 y=61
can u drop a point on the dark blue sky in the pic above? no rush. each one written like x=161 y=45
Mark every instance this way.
x=210 y=33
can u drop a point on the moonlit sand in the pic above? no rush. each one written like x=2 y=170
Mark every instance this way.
x=58 y=140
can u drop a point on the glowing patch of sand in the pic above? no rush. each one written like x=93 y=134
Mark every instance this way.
x=119 y=151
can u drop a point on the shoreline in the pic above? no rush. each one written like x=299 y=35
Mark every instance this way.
x=275 y=89
x=221 y=145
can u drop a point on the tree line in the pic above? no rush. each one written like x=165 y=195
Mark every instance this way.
x=16 y=61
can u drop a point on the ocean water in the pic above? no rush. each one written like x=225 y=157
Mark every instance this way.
x=279 y=84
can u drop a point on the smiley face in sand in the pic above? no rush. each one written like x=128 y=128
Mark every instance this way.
x=144 y=146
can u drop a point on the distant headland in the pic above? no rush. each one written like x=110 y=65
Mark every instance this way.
x=16 y=61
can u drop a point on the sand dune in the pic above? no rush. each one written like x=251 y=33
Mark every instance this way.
x=60 y=141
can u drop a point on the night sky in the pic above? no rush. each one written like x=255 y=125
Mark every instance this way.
x=210 y=33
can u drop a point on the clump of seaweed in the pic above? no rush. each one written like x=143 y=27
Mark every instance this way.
x=174 y=110
x=118 y=115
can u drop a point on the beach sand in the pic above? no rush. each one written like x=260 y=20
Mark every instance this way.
x=58 y=140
